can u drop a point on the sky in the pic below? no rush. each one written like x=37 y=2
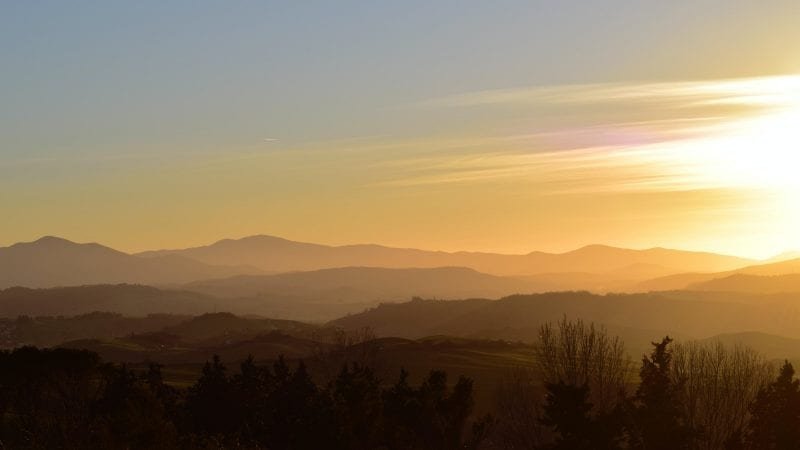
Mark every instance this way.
x=506 y=126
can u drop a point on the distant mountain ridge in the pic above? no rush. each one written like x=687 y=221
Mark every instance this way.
x=52 y=262
x=367 y=284
x=273 y=254
x=753 y=284
x=766 y=278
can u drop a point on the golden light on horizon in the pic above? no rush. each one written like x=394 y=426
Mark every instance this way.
x=701 y=165
x=757 y=153
x=762 y=151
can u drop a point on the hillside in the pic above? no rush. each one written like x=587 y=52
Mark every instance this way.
x=684 y=314
x=130 y=300
x=52 y=262
x=225 y=326
x=771 y=346
x=138 y=300
x=45 y=331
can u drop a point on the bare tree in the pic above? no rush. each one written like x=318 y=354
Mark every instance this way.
x=718 y=384
x=575 y=353
x=517 y=405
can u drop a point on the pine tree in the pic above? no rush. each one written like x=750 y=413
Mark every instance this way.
x=657 y=419
x=775 y=420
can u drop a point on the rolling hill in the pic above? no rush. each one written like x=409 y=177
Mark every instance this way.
x=682 y=314
x=130 y=300
x=368 y=284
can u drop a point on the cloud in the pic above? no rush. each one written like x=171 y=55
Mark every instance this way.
x=624 y=137
x=764 y=91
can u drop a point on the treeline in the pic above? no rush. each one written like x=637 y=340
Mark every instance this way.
x=584 y=393
x=64 y=398
x=690 y=396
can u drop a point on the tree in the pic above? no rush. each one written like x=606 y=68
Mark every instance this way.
x=130 y=413
x=717 y=386
x=48 y=397
x=518 y=409
x=431 y=417
x=211 y=404
x=658 y=422
x=577 y=354
x=775 y=421
x=567 y=409
x=357 y=407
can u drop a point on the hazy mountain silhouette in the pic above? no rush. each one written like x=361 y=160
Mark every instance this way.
x=273 y=254
x=752 y=284
x=697 y=280
x=138 y=300
x=52 y=261
x=130 y=300
x=368 y=284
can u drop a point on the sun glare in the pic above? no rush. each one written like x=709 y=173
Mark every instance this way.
x=758 y=151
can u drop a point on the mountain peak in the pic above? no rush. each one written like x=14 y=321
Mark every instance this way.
x=596 y=248
x=52 y=240
x=46 y=242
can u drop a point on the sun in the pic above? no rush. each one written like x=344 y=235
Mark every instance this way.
x=754 y=156
x=759 y=150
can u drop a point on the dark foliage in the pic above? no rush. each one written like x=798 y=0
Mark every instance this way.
x=70 y=399
x=568 y=412
x=656 y=419
x=775 y=420
x=60 y=398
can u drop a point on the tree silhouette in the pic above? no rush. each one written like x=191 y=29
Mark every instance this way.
x=357 y=407
x=211 y=404
x=657 y=419
x=567 y=411
x=775 y=420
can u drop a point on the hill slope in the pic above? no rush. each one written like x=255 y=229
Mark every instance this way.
x=368 y=284
x=130 y=300
x=683 y=314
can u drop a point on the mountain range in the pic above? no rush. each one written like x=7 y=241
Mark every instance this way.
x=51 y=262
x=273 y=254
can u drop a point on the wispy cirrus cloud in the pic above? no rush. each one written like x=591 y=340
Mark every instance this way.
x=764 y=91
x=624 y=137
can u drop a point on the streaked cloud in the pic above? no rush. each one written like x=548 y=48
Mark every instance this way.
x=650 y=137
x=766 y=91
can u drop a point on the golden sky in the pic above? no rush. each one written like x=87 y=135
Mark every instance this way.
x=537 y=126
x=709 y=164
